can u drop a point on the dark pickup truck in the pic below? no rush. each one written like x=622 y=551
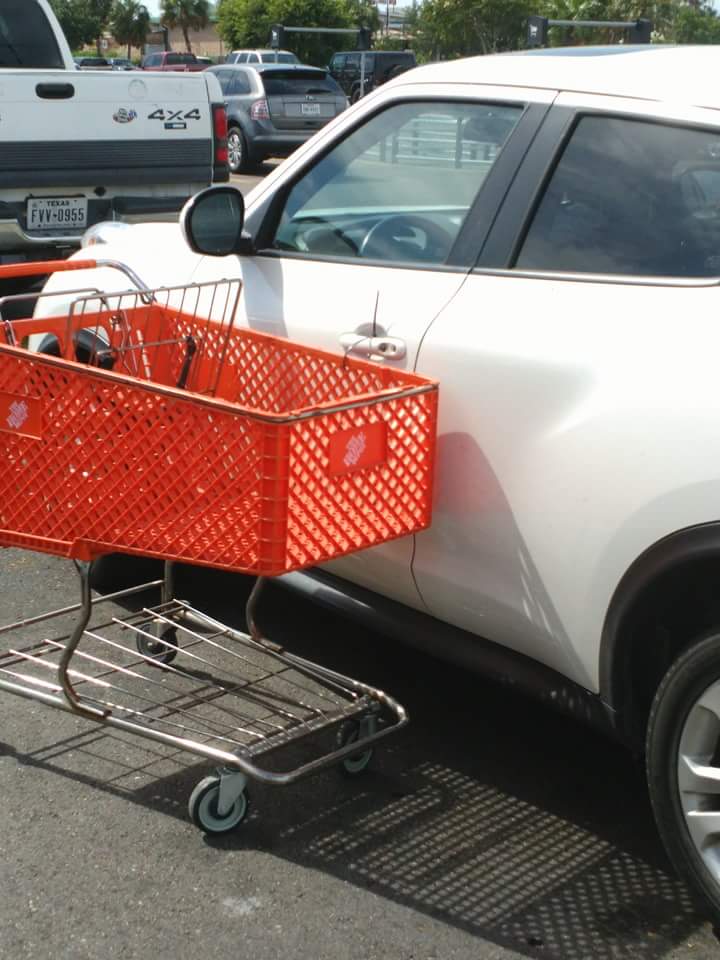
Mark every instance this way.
x=168 y=60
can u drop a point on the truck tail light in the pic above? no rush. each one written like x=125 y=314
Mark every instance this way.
x=220 y=145
x=260 y=110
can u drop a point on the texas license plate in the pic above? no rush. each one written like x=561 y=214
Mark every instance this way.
x=310 y=109
x=56 y=213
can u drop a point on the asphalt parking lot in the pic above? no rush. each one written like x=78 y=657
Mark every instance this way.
x=489 y=828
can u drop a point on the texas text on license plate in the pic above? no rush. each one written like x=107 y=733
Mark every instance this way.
x=56 y=213
x=310 y=109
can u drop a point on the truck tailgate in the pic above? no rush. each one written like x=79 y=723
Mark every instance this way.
x=104 y=129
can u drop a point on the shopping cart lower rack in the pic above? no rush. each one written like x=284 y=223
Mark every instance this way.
x=147 y=422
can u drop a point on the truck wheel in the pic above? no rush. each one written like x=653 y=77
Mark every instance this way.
x=683 y=766
x=237 y=150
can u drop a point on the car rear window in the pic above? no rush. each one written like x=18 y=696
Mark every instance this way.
x=26 y=37
x=281 y=58
x=175 y=58
x=280 y=84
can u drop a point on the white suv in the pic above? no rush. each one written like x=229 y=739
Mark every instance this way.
x=261 y=56
x=541 y=233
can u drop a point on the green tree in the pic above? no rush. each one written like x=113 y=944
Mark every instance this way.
x=247 y=23
x=696 y=24
x=186 y=14
x=661 y=13
x=445 y=29
x=82 y=21
x=130 y=23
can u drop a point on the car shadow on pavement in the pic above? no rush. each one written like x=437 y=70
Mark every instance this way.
x=489 y=812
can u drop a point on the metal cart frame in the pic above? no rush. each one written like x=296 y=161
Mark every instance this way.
x=233 y=698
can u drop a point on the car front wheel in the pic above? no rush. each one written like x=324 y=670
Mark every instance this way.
x=683 y=766
x=237 y=151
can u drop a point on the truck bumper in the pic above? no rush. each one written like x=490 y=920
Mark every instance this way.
x=15 y=239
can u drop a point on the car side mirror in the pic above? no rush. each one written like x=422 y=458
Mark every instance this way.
x=212 y=223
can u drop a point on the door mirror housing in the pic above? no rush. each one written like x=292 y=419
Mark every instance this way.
x=212 y=223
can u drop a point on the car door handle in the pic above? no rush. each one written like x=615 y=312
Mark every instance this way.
x=375 y=347
x=55 y=91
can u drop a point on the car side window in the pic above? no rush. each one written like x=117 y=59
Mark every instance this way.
x=239 y=84
x=225 y=80
x=630 y=197
x=398 y=187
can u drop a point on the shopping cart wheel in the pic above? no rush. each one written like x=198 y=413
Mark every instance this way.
x=153 y=648
x=356 y=763
x=203 y=807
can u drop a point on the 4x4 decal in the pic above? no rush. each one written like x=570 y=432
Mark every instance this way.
x=175 y=119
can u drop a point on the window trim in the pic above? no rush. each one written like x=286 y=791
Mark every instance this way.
x=482 y=211
x=508 y=235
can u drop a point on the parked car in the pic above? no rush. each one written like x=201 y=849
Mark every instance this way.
x=261 y=56
x=380 y=66
x=273 y=108
x=121 y=63
x=93 y=63
x=539 y=232
x=169 y=60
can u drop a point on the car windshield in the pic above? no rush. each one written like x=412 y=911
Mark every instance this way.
x=299 y=83
x=26 y=38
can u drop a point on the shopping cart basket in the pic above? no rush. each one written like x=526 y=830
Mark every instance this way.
x=148 y=422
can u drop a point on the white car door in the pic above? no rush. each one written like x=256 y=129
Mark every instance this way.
x=366 y=240
x=543 y=359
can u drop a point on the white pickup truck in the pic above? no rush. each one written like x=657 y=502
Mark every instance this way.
x=80 y=147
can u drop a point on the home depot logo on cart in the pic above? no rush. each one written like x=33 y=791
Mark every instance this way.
x=21 y=415
x=358 y=449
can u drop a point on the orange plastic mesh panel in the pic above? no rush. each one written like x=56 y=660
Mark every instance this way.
x=276 y=457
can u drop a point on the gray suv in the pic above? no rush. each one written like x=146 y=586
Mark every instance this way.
x=273 y=108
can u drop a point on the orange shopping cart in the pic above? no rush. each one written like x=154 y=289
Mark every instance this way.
x=149 y=422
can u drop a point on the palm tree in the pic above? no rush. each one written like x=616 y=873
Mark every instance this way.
x=186 y=14
x=130 y=23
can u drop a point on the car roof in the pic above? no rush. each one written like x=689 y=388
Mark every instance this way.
x=259 y=50
x=660 y=72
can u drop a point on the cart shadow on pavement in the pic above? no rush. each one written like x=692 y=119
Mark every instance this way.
x=489 y=812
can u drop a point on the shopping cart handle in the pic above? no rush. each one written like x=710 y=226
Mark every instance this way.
x=9 y=271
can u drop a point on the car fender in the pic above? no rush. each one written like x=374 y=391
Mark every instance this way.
x=692 y=545
x=674 y=525
x=240 y=118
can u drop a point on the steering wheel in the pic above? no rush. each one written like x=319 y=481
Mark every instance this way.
x=395 y=238
x=324 y=237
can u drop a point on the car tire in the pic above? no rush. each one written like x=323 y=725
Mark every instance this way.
x=683 y=766
x=238 y=159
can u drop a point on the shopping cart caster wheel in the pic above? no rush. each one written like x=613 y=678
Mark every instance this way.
x=203 y=808
x=356 y=763
x=153 y=648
